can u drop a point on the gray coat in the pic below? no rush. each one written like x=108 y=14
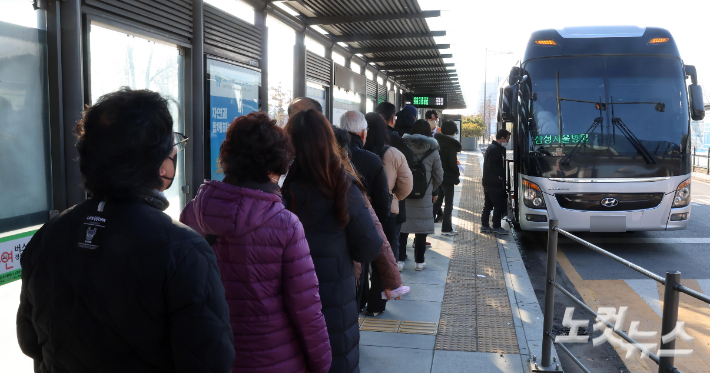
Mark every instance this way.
x=420 y=212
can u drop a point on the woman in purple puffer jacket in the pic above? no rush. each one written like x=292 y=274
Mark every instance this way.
x=262 y=252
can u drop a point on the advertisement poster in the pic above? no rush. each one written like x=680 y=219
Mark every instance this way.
x=233 y=92
x=11 y=249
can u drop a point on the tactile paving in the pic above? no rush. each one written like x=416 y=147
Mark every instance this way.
x=476 y=313
x=397 y=326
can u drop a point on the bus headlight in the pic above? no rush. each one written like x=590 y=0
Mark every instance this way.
x=532 y=195
x=682 y=194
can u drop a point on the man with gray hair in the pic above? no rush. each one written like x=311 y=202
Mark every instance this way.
x=369 y=167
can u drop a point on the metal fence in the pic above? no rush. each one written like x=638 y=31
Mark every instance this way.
x=673 y=288
x=698 y=161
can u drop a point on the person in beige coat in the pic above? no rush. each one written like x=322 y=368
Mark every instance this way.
x=399 y=182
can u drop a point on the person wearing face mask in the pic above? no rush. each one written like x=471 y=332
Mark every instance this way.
x=262 y=253
x=432 y=117
x=494 y=194
x=113 y=282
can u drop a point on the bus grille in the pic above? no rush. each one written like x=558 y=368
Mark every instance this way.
x=625 y=201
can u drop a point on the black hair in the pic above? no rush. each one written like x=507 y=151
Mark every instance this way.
x=377 y=134
x=430 y=114
x=421 y=127
x=449 y=127
x=342 y=137
x=501 y=134
x=308 y=104
x=387 y=110
x=124 y=138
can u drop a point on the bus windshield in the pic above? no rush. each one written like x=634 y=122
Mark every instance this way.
x=644 y=108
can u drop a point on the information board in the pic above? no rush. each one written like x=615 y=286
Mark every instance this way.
x=232 y=91
x=429 y=101
x=11 y=248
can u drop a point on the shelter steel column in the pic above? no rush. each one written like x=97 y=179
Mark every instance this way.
x=299 y=65
x=329 y=110
x=198 y=95
x=260 y=22
x=72 y=94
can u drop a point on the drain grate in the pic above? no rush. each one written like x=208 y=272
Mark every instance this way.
x=397 y=326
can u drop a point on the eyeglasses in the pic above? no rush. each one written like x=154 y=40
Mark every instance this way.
x=180 y=140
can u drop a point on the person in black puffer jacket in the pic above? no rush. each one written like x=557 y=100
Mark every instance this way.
x=387 y=110
x=325 y=194
x=448 y=149
x=113 y=284
x=494 y=194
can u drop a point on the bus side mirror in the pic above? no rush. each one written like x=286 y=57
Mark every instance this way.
x=506 y=104
x=514 y=74
x=697 y=108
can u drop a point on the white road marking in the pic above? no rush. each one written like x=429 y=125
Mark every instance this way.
x=648 y=291
x=679 y=240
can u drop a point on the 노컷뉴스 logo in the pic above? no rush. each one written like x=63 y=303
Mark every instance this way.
x=608 y=317
x=609 y=202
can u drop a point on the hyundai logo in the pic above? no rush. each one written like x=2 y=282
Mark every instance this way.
x=610 y=202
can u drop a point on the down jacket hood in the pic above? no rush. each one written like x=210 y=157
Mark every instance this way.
x=214 y=210
x=420 y=143
x=447 y=142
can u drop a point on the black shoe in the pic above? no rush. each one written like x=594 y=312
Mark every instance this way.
x=374 y=314
x=438 y=219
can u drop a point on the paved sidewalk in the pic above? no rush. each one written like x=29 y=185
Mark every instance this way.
x=468 y=311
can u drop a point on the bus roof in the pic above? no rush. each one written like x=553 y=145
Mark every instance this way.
x=600 y=40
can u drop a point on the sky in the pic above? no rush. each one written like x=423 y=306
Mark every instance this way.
x=505 y=26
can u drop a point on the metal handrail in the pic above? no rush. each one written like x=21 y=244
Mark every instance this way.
x=695 y=154
x=670 y=305
x=569 y=353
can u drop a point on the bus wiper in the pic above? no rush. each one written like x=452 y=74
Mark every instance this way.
x=597 y=121
x=617 y=122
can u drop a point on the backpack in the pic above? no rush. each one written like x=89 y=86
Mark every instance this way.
x=420 y=182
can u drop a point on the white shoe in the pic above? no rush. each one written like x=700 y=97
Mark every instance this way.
x=400 y=266
x=419 y=266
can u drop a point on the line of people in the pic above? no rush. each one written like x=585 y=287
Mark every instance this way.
x=272 y=265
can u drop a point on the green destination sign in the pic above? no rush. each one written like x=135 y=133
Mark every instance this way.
x=564 y=139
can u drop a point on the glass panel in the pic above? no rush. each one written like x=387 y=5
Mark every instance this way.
x=236 y=8
x=315 y=47
x=281 y=41
x=339 y=59
x=344 y=101
x=356 y=68
x=318 y=93
x=645 y=99
x=369 y=75
x=370 y=106
x=233 y=91
x=119 y=59
x=25 y=169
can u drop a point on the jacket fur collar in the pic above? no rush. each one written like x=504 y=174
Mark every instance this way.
x=420 y=143
x=446 y=141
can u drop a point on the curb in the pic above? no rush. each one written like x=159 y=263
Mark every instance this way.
x=700 y=176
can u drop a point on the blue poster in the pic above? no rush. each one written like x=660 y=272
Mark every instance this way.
x=233 y=92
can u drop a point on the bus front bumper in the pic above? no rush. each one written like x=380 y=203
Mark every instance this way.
x=655 y=219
